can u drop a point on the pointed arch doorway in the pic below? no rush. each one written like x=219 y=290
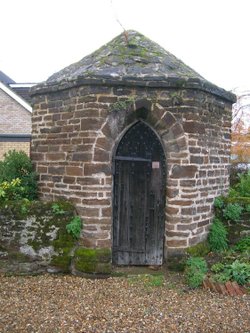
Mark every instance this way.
x=139 y=198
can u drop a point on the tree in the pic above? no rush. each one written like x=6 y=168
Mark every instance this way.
x=241 y=128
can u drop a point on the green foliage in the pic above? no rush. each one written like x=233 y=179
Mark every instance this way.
x=232 y=212
x=147 y=280
x=218 y=202
x=240 y=200
x=18 y=165
x=232 y=254
x=199 y=250
x=217 y=237
x=243 y=244
x=195 y=271
x=122 y=105
x=240 y=272
x=11 y=190
x=247 y=209
x=25 y=206
x=156 y=281
x=236 y=271
x=235 y=264
x=57 y=209
x=218 y=267
x=243 y=187
x=222 y=277
x=233 y=193
x=74 y=227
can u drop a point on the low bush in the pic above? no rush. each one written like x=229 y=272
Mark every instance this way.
x=236 y=170
x=232 y=212
x=218 y=267
x=243 y=245
x=237 y=271
x=17 y=165
x=240 y=272
x=195 y=271
x=217 y=237
x=11 y=190
x=243 y=186
x=218 y=202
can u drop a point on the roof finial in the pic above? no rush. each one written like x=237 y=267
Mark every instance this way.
x=126 y=35
x=118 y=21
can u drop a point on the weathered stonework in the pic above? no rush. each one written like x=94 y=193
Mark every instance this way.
x=78 y=121
x=34 y=238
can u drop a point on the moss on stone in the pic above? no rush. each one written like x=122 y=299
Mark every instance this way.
x=104 y=268
x=63 y=260
x=96 y=261
x=122 y=105
x=176 y=263
x=2 y=248
x=199 y=250
x=44 y=231
x=48 y=223
x=18 y=256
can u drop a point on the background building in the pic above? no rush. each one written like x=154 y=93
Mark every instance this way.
x=15 y=115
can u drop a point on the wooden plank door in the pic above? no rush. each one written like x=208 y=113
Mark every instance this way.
x=138 y=199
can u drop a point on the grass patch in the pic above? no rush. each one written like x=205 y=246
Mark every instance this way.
x=147 y=280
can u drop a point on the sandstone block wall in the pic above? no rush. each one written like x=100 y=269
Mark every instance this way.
x=74 y=135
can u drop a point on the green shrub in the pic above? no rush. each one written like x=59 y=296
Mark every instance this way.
x=247 y=209
x=217 y=237
x=243 y=187
x=240 y=272
x=222 y=277
x=195 y=271
x=237 y=271
x=218 y=267
x=218 y=202
x=74 y=227
x=232 y=193
x=11 y=190
x=243 y=244
x=18 y=165
x=232 y=212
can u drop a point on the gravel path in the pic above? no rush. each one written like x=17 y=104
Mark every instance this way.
x=68 y=304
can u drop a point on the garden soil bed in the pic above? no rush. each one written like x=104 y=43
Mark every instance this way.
x=69 y=304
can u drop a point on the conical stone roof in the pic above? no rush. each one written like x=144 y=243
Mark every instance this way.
x=130 y=59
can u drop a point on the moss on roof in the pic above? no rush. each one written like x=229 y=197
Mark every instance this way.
x=128 y=55
x=130 y=59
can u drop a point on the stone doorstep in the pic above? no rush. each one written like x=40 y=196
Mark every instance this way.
x=229 y=288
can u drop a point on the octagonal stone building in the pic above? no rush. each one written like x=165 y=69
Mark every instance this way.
x=139 y=142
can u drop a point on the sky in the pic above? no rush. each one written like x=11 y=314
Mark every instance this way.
x=40 y=37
